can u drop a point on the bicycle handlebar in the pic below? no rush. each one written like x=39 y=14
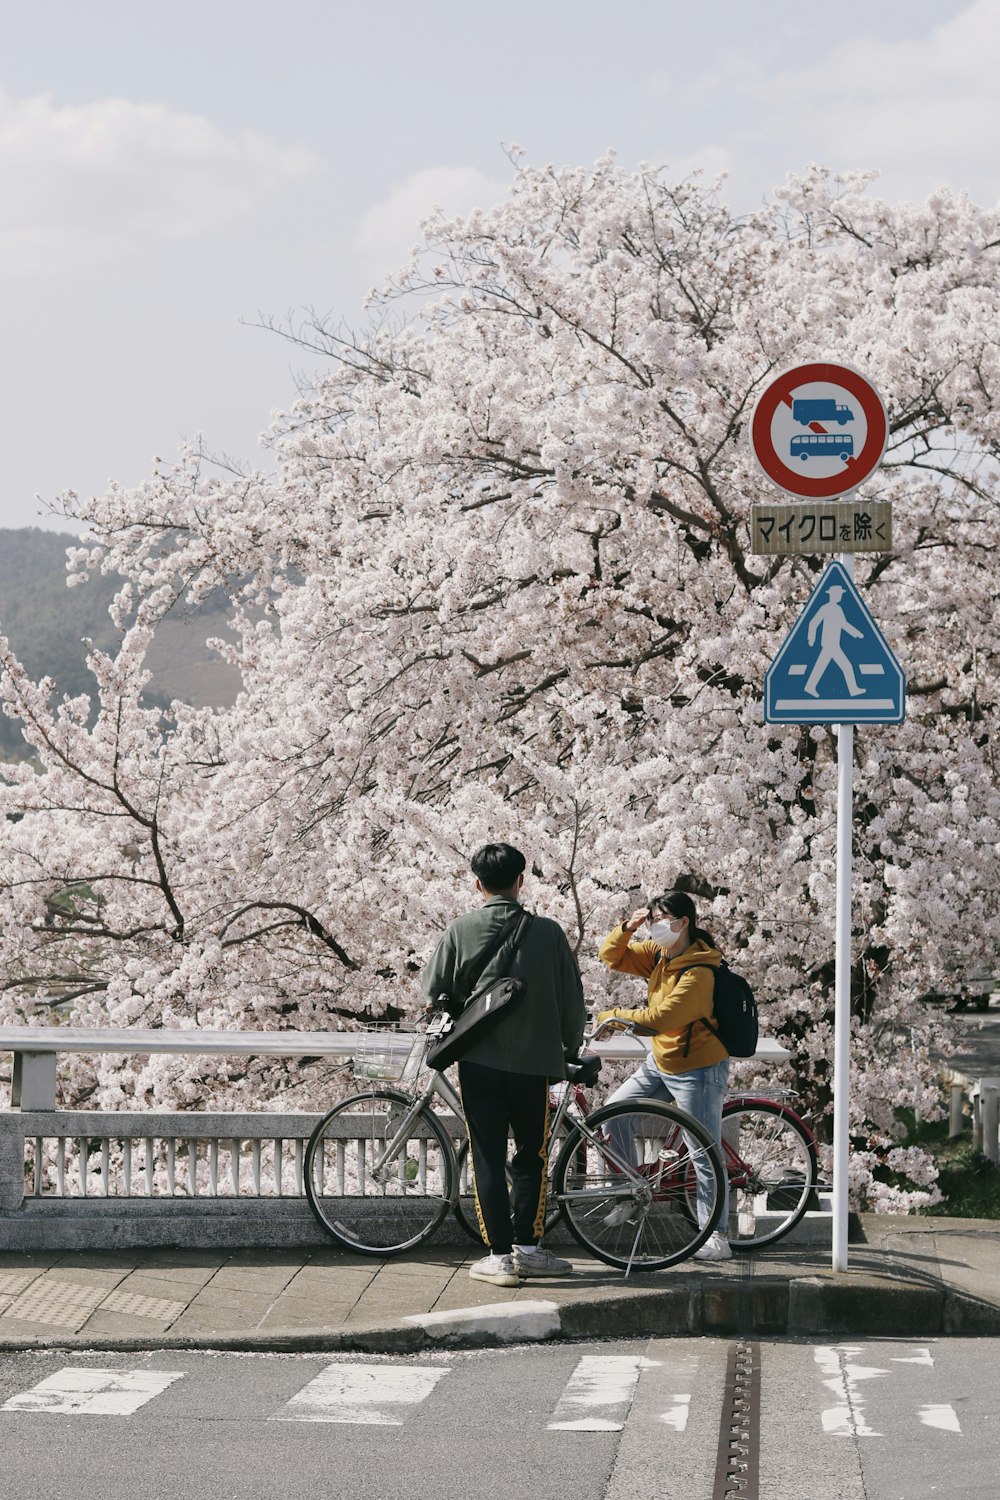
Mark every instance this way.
x=597 y=1029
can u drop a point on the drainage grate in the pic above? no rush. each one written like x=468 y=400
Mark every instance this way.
x=738 y=1466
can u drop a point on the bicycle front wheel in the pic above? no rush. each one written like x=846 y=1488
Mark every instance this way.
x=621 y=1184
x=377 y=1188
x=773 y=1171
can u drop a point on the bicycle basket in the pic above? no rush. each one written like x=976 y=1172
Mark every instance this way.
x=391 y=1055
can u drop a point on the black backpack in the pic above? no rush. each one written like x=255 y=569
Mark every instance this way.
x=734 y=1012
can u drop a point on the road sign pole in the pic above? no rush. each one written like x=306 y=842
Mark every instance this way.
x=842 y=994
x=842 y=983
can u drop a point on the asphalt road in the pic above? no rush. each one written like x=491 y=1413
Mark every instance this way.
x=977 y=1043
x=632 y=1420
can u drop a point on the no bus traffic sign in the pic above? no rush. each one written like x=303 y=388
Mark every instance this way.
x=819 y=430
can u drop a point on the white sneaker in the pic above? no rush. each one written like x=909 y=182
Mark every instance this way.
x=620 y=1214
x=499 y=1270
x=540 y=1262
x=716 y=1247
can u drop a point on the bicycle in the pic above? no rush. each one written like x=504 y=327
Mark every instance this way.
x=382 y=1170
x=768 y=1150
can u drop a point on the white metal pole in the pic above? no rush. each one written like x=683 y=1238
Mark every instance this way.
x=842 y=986
x=842 y=994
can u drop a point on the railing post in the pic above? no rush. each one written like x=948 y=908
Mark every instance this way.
x=11 y=1162
x=990 y=1100
x=33 y=1082
x=956 y=1123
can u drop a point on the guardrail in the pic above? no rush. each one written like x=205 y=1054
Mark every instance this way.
x=91 y=1179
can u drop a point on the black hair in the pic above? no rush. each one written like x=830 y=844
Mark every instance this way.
x=679 y=904
x=497 y=866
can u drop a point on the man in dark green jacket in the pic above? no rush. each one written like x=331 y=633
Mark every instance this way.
x=504 y=1077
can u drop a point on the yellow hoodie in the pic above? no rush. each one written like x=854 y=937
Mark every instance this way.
x=678 y=996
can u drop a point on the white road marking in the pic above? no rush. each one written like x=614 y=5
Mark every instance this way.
x=921 y=1357
x=94 y=1393
x=942 y=1417
x=677 y=1416
x=847 y=1418
x=373 y=1395
x=599 y=1393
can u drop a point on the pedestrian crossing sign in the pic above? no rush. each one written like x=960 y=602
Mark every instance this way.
x=835 y=666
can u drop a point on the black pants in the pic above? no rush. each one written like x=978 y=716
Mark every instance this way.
x=497 y=1104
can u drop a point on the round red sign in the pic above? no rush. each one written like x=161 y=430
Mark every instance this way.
x=819 y=430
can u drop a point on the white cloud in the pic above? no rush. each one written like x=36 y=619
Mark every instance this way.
x=710 y=161
x=81 y=181
x=389 y=228
x=924 y=110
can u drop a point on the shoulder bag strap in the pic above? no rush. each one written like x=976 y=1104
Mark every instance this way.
x=471 y=974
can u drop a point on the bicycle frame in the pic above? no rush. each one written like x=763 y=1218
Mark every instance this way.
x=437 y=1084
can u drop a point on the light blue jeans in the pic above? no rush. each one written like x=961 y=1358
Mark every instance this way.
x=701 y=1093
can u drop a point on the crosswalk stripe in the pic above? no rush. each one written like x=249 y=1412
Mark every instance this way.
x=94 y=1393
x=676 y=1416
x=847 y=1417
x=598 y=1394
x=942 y=1417
x=375 y=1395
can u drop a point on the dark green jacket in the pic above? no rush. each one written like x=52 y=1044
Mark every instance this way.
x=547 y=1027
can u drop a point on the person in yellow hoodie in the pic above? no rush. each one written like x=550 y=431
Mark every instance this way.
x=688 y=1062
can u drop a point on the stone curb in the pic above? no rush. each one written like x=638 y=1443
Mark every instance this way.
x=859 y=1306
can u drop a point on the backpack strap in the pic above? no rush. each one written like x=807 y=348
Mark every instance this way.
x=704 y=1021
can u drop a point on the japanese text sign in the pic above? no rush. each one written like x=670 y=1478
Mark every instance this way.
x=831 y=526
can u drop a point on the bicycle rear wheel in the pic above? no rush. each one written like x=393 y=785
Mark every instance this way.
x=773 y=1171
x=367 y=1202
x=620 y=1184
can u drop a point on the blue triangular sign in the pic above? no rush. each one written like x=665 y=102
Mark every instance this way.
x=835 y=666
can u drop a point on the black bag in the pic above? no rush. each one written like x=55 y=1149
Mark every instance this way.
x=485 y=1007
x=734 y=1012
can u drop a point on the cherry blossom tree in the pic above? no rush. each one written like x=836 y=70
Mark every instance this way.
x=500 y=586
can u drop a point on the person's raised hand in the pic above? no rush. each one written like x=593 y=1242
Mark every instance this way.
x=636 y=919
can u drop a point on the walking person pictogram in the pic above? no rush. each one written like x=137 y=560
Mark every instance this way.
x=831 y=622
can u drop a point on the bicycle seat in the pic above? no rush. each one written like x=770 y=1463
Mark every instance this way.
x=583 y=1069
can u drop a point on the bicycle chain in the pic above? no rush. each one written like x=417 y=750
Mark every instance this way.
x=737 y=1469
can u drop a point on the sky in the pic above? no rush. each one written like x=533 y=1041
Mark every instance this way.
x=174 y=176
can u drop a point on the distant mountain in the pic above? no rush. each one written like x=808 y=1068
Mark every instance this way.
x=47 y=623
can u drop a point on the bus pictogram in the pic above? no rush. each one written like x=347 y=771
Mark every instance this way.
x=821 y=445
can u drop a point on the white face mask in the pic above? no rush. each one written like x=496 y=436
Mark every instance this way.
x=665 y=933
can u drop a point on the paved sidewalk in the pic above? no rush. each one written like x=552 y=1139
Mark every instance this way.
x=909 y=1276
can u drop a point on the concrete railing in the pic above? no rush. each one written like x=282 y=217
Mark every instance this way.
x=90 y=1179
x=98 y=1179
